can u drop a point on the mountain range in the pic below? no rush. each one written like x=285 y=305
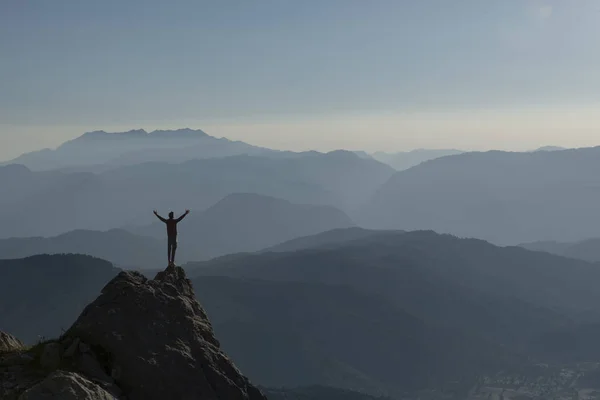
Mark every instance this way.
x=458 y=283
x=134 y=147
x=502 y=197
x=237 y=223
x=101 y=150
x=50 y=203
x=300 y=333
x=325 y=275
x=588 y=250
x=518 y=305
x=384 y=313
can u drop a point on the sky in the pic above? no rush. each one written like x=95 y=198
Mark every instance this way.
x=387 y=75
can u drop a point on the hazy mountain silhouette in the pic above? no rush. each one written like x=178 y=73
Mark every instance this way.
x=135 y=146
x=296 y=333
x=407 y=159
x=588 y=250
x=120 y=247
x=530 y=303
x=245 y=222
x=550 y=148
x=508 y=295
x=51 y=203
x=507 y=198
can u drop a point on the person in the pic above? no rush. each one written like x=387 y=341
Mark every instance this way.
x=171 y=233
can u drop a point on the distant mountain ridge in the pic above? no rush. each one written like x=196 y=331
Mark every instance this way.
x=507 y=297
x=124 y=196
x=133 y=147
x=186 y=133
x=425 y=265
x=550 y=148
x=503 y=197
x=587 y=250
x=406 y=159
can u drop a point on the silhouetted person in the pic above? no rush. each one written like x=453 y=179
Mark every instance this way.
x=172 y=234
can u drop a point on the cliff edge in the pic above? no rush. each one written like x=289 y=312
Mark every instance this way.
x=140 y=339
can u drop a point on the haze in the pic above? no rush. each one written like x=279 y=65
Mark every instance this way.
x=392 y=75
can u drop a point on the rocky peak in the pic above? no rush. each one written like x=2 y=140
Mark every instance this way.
x=9 y=343
x=140 y=339
x=185 y=133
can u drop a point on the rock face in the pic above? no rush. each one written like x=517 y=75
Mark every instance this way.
x=9 y=342
x=153 y=338
x=140 y=339
x=66 y=386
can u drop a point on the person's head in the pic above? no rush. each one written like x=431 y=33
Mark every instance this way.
x=171 y=215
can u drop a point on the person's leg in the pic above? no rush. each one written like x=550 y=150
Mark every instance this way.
x=169 y=251
x=173 y=252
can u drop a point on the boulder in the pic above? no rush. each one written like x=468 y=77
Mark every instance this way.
x=155 y=340
x=66 y=386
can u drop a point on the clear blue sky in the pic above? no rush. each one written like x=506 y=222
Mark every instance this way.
x=376 y=74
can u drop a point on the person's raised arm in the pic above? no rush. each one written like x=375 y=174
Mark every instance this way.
x=183 y=216
x=159 y=217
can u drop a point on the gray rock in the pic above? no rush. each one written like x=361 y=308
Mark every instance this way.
x=9 y=342
x=50 y=358
x=62 y=385
x=160 y=341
